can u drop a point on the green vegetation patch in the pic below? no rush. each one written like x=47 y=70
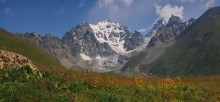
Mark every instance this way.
x=19 y=84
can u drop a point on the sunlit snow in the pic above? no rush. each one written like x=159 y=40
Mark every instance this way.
x=103 y=33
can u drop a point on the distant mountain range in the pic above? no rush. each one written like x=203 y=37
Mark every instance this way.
x=168 y=49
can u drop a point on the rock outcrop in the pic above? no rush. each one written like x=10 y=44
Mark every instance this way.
x=14 y=60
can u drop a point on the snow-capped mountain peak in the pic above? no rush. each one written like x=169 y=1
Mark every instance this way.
x=107 y=27
x=111 y=33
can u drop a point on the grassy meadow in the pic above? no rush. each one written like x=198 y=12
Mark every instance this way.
x=20 y=85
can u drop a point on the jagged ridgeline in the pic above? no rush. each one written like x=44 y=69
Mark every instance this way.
x=105 y=46
x=196 y=51
x=100 y=47
x=164 y=34
x=171 y=48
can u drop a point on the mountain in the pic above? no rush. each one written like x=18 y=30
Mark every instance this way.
x=20 y=84
x=163 y=34
x=41 y=59
x=196 y=51
x=102 y=47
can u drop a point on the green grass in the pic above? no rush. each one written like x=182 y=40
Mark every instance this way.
x=19 y=85
x=21 y=46
x=61 y=84
x=133 y=62
x=196 y=51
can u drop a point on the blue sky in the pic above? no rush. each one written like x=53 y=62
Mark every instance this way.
x=59 y=16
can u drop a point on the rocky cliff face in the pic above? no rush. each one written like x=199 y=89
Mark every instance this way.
x=102 y=47
x=165 y=32
x=82 y=41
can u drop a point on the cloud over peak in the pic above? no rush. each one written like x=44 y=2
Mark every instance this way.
x=168 y=10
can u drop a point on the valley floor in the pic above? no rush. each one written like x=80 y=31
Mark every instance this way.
x=20 y=85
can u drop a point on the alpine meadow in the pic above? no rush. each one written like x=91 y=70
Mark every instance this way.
x=136 y=51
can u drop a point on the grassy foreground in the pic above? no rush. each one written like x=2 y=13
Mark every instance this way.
x=20 y=84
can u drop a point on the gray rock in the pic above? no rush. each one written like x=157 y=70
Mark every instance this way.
x=80 y=47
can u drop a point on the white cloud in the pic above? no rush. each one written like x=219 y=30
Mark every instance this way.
x=209 y=3
x=142 y=30
x=168 y=10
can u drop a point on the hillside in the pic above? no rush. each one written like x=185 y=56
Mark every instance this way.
x=163 y=34
x=196 y=52
x=21 y=46
x=65 y=85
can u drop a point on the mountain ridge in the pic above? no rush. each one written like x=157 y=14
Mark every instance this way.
x=104 y=46
x=42 y=60
x=163 y=35
x=195 y=52
x=110 y=46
